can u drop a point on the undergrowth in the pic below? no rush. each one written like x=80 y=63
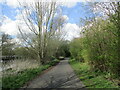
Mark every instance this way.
x=16 y=81
x=90 y=78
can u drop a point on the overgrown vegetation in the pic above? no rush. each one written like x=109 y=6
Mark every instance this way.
x=96 y=51
x=89 y=78
x=16 y=81
x=98 y=47
x=99 y=42
x=6 y=45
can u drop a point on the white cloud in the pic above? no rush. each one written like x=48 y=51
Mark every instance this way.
x=71 y=30
x=9 y=26
x=66 y=3
x=13 y=3
x=69 y=4
x=65 y=17
x=1 y=1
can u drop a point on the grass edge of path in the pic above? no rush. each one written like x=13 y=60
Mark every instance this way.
x=90 y=79
x=14 y=82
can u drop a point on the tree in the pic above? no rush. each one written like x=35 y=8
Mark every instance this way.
x=76 y=49
x=7 y=45
x=111 y=11
x=44 y=25
x=99 y=41
x=63 y=49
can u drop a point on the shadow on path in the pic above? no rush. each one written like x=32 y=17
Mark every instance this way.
x=61 y=76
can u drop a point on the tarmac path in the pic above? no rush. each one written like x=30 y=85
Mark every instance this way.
x=61 y=76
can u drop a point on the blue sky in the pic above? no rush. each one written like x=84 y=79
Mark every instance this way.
x=74 y=11
x=9 y=11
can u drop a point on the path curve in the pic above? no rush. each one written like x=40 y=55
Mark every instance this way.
x=61 y=76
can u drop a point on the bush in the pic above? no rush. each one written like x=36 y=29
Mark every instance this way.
x=99 y=47
x=89 y=78
x=76 y=49
x=54 y=62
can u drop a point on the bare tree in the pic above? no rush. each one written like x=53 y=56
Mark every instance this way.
x=42 y=21
x=109 y=10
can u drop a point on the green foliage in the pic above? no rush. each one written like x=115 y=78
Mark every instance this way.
x=25 y=52
x=16 y=81
x=63 y=49
x=53 y=62
x=7 y=45
x=102 y=47
x=90 y=78
x=76 y=49
x=98 y=47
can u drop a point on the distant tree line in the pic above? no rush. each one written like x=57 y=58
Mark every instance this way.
x=12 y=51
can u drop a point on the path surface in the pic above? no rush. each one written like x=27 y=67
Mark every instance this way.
x=61 y=76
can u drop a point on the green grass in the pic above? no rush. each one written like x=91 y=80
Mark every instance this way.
x=16 y=81
x=89 y=78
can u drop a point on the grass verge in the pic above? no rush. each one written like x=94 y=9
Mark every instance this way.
x=16 y=81
x=89 y=78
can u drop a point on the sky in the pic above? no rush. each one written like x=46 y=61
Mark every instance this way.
x=72 y=11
